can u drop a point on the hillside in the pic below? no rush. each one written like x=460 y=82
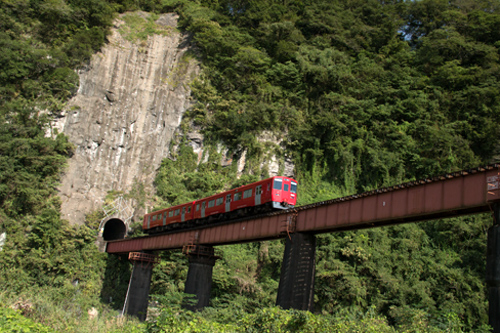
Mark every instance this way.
x=362 y=94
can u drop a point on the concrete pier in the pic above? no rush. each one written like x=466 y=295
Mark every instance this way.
x=296 y=287
x=493 y=270
x=199 y=279
x=136 y=301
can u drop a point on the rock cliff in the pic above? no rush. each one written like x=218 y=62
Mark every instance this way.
x=131 y=98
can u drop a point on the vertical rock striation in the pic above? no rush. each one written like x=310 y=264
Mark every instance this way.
x=130 y=101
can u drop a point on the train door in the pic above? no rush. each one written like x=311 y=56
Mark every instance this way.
x=164 y=218
x=258 y=193
x=183 y=214
x=203 y=209
x=228 y=202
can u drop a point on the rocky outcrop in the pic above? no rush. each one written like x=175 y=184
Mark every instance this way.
x=130 y=101
x=275 y=165
x=275 y=159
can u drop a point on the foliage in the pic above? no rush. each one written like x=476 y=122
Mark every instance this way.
x=30 y=163
x=288 y=321
x=183 y=180
x=42 y=43
x=13 y=321
x=398 y=268
x=46 y=252
x=351 y=92
x=169 y=276
x=57 y=310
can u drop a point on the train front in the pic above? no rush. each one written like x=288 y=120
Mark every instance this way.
x=284 y=192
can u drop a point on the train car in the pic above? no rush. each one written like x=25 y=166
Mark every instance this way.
x=159 y=220
x=275 y=192
x=265 y=195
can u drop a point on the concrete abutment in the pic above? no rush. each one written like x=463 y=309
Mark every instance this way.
x=296 y=287
x=493 y=270
x=199 y=278
x=137 y=299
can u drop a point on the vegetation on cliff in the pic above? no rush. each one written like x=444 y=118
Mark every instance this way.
x=367 y=93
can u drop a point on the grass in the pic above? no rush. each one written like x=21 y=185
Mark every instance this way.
x=52 y=310
x=139 y=26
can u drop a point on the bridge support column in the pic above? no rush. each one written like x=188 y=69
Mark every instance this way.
x=199 y=279
x=493 y=270
x=296 y=287
x=136 y=301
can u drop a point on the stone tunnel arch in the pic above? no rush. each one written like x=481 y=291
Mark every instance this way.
x=114 y=229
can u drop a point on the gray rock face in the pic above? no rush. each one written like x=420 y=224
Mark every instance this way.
x=130 y=101
x=276 y=164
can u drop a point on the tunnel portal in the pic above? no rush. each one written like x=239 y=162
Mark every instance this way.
x=114 y=229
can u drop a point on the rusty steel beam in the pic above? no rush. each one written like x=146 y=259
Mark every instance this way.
x=264 y=228
x=457 y=193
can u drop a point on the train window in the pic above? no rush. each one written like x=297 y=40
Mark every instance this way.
x=197 y=207
x=293 y=188
x=247 y=194
x=228 y=198
x=203 y=205
x=177 y=211
x=285 y=187
x=211 y=203
x=189 y=209
x=219 y=201
x=171 y=213
x=154 y=217
x=237 y=196
x=277 y=184
x=258 y=190
x=183 y=210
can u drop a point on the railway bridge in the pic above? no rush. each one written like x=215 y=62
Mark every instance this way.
x=458 y=193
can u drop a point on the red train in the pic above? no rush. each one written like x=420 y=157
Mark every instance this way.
x=265 y=195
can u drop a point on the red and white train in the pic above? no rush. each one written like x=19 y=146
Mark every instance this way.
x=262 y=196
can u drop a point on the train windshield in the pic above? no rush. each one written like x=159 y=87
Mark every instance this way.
x=277 y=184
x=293 y=189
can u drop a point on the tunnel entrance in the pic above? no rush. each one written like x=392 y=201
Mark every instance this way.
x=114 y=229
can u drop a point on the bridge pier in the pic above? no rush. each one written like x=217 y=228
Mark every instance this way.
x=296 y=287
x=136 y=301
x=199 y=278
x=493 y=270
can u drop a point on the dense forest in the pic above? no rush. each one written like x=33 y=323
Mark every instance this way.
x=364 y=93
